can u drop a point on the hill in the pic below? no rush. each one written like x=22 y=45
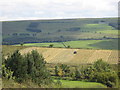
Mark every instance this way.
x=30 y=31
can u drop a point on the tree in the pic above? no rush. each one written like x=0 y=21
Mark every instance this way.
x=56 y=70
x=100 y=66
x=101 y=72
x=37 y=69
x=7 y=73
x=68 y=46
x=65 y=68
x=62 y=70
x=21 y=44
x=31 y=66
x=77 y=74
x=51 y=45
x=18 y=65
x=104 y=36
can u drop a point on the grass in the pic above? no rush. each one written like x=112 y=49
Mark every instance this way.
x=80 y=84
x=97 y=27
x=85 y=44
x=110 y=32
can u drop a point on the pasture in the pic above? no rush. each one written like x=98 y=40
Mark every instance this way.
x=84 y=44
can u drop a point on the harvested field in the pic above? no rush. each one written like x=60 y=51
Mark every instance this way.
x=67 y=56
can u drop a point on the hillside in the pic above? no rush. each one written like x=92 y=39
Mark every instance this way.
x=59 y=30
x=67 y=56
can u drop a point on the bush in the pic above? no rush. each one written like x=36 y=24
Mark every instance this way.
x=62 y=70
x=100 y=72
x=56 y=70
x=7 y=73
x=107 y=78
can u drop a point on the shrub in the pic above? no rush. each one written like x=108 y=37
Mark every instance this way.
x=107 y=78
x=56 y=70
x=62 y=70
x=7 y=73
x=100 y=72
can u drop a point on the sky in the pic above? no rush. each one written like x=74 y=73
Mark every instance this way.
x=57 y=9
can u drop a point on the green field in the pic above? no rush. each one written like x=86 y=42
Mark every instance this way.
x=110 y=32
x=96 y=27
x=80 y=84
x=91 y=44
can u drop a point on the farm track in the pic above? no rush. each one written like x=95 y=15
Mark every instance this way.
x=67 y=56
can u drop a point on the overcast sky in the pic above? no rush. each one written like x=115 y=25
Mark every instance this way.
x=57 y=9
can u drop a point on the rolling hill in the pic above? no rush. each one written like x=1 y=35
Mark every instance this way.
x=15 y=32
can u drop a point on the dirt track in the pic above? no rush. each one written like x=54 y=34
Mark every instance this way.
x=67 y=56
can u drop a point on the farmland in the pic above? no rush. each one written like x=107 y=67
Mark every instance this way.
x=70 y=49
x=67 y=56
x=84 y=44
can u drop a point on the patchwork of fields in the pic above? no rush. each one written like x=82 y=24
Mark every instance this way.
x=67 y=56
x=84 y=44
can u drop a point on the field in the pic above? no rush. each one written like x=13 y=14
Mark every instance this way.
x=67 y=56
x=80 y=84
x=85 y=44
x=110 y=32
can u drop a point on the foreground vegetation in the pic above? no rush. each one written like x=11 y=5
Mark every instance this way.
x=30 y=71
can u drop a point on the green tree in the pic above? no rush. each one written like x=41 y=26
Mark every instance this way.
x=101 y=72
x=31 y=66
x=65 y=68
x=56 y=70
x=7 y=73
x=21 y=44
x=37 y=70
x=51 y=45
x=77 y=74
x=100 y=66
x=68 y=46
x=18 y=65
